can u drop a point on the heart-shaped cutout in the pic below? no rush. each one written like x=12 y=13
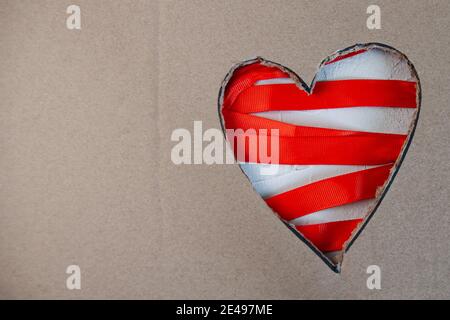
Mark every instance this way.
x=323 y=157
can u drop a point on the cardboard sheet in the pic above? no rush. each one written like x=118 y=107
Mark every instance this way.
x=86 y=176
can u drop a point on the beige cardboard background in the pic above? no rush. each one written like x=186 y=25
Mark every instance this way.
x=85 y=170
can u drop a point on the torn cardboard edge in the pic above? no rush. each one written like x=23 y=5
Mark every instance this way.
x=335 y=262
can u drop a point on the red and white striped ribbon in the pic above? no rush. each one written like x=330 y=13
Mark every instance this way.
x=337 y=145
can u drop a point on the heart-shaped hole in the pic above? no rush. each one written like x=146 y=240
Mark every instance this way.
x=322 y=157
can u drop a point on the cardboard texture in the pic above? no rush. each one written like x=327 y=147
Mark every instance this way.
x=85 y=172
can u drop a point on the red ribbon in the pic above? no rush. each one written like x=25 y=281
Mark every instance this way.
x=327 y=94
x=328 y=193
x=310 y=145
x=329 y=236
x=345 y=56
x=246 y=76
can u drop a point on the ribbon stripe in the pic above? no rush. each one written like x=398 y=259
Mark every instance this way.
x=329 y=236
x=320 y=145
x=329 y=193
x=345 y=56
x=326 y=95
x=247 y=76
x=344 y=150
x=236 y=120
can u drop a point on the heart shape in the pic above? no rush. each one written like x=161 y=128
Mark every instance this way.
x=323 y=157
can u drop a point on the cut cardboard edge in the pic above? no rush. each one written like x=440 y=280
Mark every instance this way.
x=336 y=265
